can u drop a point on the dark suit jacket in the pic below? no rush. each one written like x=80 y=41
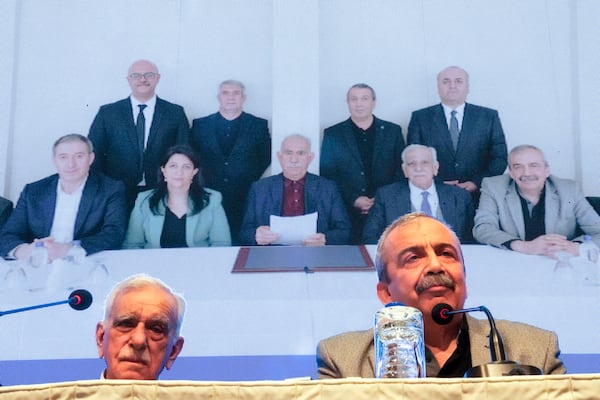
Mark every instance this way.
x=232 y=175
x=6 y=207
x=341 y=162
x=100 y=223
x=352 y=354
x=393 y=201
x=481 y=149
x=116 y=146
x=321 y=195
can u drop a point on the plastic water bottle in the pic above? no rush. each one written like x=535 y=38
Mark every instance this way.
x=39 y=256
x=76 y=254
x=399 y=342
x=588 y=250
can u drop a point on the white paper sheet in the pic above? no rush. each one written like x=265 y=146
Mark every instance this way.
x=293 y=230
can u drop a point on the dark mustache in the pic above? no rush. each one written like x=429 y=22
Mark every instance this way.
x=429 y=281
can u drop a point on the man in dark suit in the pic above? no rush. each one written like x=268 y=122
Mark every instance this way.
x=235 y=149
x=361 y=154
x=6 y=207
x=469 y=139
x=447 y=203
x=132 y=135
x=74 y=204
x=295 y=192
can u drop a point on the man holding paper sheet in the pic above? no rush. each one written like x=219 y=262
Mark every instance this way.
x=298 y=197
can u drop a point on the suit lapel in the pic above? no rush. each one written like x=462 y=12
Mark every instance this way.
x=310 y=194
x=350 y=141
x=277 y=196
x=479 y=341
x=513 y=202
x=551 y=207
x=85 y=204
x=126 y=118
x=467 y=129
x=159 y=109
x=441 y=125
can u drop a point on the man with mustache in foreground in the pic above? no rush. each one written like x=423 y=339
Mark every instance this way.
x=530 y=211
x=420 y=264
x=139 y=336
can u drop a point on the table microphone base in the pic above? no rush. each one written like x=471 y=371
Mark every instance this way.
x=502 y=368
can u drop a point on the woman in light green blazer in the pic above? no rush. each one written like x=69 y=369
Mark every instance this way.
x=179 y=212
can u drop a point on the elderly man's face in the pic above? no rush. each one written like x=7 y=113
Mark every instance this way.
x=143 y=78
x=529 y=170
x=360 y=103
x=231 y=99
x=295 y=157
x=453 y=86
x=419 y=168
x=424 y=266
x=138 y=339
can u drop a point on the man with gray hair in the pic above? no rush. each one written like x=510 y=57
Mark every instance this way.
x=295 y=192
x=235 y=149
x=361 y=154
x=447 y=203
x=420 y=264
x=74 y=204
x=140 y=333
x=531 y=211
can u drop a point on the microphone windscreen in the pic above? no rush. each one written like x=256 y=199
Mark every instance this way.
x=440 y=315
x=80 y=299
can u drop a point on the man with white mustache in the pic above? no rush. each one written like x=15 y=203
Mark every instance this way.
x=139 y=336
x=531 y=211
x=295 y=192
x=447 y=203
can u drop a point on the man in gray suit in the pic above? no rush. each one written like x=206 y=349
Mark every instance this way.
x=530 y=211
x=469 y=139
x=447 y=203
x=420 y=264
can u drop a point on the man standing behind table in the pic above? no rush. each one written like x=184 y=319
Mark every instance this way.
x=74 y=204
x=420 y=264
x=446 y=203
x=295 y=192
x=530 y=211
x=234 y=148
x=361 y=154
x=139 y=336
x=469 y=139
x=132 y=135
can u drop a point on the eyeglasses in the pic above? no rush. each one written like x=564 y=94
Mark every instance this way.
x=137 y=76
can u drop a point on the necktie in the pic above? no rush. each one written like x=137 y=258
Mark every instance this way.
x=425 y=206
x=140 y=127
x=453 y=129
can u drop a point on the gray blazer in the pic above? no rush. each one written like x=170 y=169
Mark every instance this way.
x=352 y=354
x=499 y=217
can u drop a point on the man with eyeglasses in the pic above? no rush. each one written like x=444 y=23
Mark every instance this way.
x=131 y=135
x=531 y=211
x=447 y=203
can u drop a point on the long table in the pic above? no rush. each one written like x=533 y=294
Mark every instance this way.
x=263 y=326
x=565 y=387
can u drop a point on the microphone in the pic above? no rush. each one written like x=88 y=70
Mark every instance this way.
x=79 y=299
x=443 y=313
